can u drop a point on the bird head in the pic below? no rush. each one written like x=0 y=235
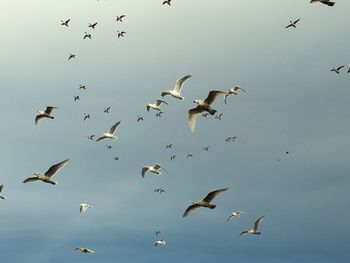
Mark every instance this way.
x=196 y=101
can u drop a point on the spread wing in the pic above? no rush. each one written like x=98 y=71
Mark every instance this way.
x=1 y=186
x=101 y=138
x=213 y=194
x=49 y=109
x=192 y=115
x=244 y=232
x=158 y=102
x=114 y=127
x=257 y=222
x=339 y=68
x=55 y=168
x=144 y=170
x=289 y=26
x=31 y=179
x=38 y=118
x=180 y=82
x=157 y=166
x=213 y=95
x=296 y=21
x=190 y=209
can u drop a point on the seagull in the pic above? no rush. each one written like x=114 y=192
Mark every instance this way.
x=84 y=207
x=155 y=106
x=109 y=147
x=76 y=98
x=253 y=231
x=82 y=87
x=153 y=169
x=293 y=24
x=167 y=2
x=169 y=146
x=159 y=190
x=177 y=90
x=205 y=202
x=92 y=25
x=47 y=177
x=45 y=114
x=121 y=34
x=172 y=157
x=110 y=134
x=157 y=232
x=336 y=70
x=218 y=116
x=235 y=214
x=1 y=187
x=71 y=56
x=160 y=242
x=205 y=115
x=189 y=155
x=107 y=110
x=65 y=23
x=85 y=250
x=203 y=105
x=326 y=2
x=116 y=158
x=87 y=36
x=232 y=91
x=206 y=148
x=159 y=114
x=139 y=118
x=120 y=18
x=87 y=116
x=91 y=137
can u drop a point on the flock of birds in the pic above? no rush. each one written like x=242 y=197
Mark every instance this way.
x=203 y=107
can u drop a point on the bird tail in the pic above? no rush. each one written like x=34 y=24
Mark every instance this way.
x=212 y=206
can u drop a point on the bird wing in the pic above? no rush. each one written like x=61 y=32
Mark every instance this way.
x=1 y=186
x=244 y=232
x=38 y=118
x=157 y=166
x=49 y=109
x=55 y=168
x=192 y=115
x=180 y=82
x=144 y=170
x=121 y=17
x=289 y=25
x=158 y=102
x=256 y=224
x=31 y=179
x=114 y=127
x=213 y=194
x=213 y=95
x=190 y=209
x=228 y=218
x=296 y=21
x=339 y=68
x=101 y=138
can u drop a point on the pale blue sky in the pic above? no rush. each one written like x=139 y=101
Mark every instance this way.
x=293 y=103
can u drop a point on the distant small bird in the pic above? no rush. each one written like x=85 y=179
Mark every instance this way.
x=156 y=105
x=120 y=18
x=157 y=232
x=91 y=137
x=337 y=70
x=159 y=114
x=121 y=34
x=110 y=134
x=293 y=24
x=189 y=155
x=76 y=98
x=82 y=87
x=84 y=207
x=85 y=250
x=153 y=169
x=92 y=25
x=87 y=116
x=232 y=91
x=168 y=2
x=205 y=202
x=116 y=158
x=71 y=56
x=65 y=23
x=287 y=152
x=203 y=105
x=177 y=90
x=107 y=110
x=254 y=230
x=228 y=139
x=234 y=214
x=159 y=190
x=205 y=115
x=109 y=147
x=1 y=187
x=161 y=242
x=326 y=2
x=44 y=114
x=47 y=176
x=172 y=157
x=218 y=117
x=87 y=35
x=206 y=148
x=139 y=118
x=169 y=146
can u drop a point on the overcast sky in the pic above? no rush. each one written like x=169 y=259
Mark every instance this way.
x=293 y=103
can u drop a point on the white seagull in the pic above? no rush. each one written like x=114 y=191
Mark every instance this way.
x=85 y=250
x=235 y=214
x=205 y=202
x=84 y=207
x=110 y=134
x=153 y=169
x=155 y=106
x=254 y=230
x=202 y=106
x=45 y=114
x=232 y=91
x=177 y=90
x=160 y=242
x=1 y=187
x=47 y=177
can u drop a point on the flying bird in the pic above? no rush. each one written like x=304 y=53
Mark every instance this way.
x=87 y=116
x=92 y=25
x=189 y=155
x=155 y=106
x=232 y=91
x=160 y=242
x=45 y=114
x=85 y=250
x=159 y=114
x=159 y=190
x=218 y=117
x=168 y=2
x=65 y=23
x=202 y=106
x=1 y=187
x=121 y=34
x=205 y=202
x=110 y=134
x=234 y=214
x=326 y=2
x=82 y=87
x=157 y=232
x=120 y=18
x=206 y=148
x=91 y=137
x=254 y=230
x=109 y=147
x=76 y=98
x=71 y=56
x=172 y=157
x=205 y=115
x=87 y=35
x=177 y=90
x=336 y=70
x=293 y=24
x=84 y=207
x=47 y=176
x=169 y=146
x=139 y=118
x=107 y=110
x=153 y=169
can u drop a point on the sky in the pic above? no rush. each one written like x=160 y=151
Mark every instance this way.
x=293 y=103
